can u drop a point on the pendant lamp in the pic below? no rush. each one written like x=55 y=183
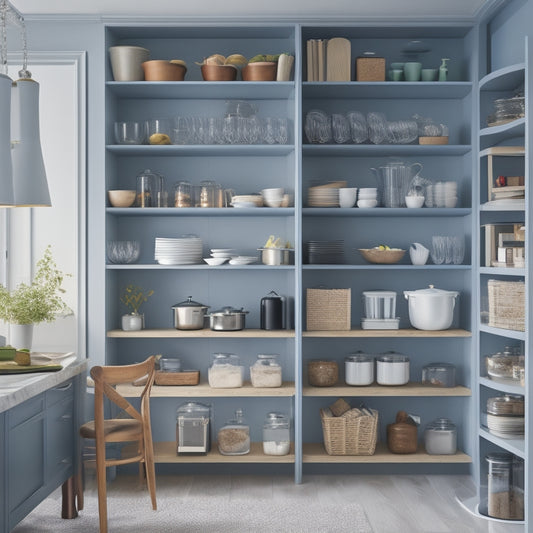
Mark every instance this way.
x=6 y=168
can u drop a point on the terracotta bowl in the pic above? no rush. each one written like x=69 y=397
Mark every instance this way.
x=260 y=71
x=162 y=70
x=121 y=198
x=219 y=72
x=384 y=257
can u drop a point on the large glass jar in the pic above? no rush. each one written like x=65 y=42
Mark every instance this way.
x=183 y=194
x=505 y=488
x=150 y=189
x=207 y=193
x=234 y=437
x=225 y=371
x=193 y=428
x=276 y=434
x=359 y=369
x=440 y=437
x=266 y=371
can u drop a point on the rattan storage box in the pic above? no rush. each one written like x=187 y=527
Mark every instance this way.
x=352 y=433
x=370 y=68
x=329 y=309
x=507 y=307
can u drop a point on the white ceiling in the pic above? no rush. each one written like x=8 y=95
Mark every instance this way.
x=271 y=9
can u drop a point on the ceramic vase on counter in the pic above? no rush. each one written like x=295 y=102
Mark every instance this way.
x=132 y=322
x=21 y=336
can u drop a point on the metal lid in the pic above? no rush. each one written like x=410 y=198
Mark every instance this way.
x=431 y=292
x=276 y=419
x=189 y=302
x=193 y=408
x=441 y=424
x=359 y=357
x=392 y=358
x=440 y=366
x=226 y=311
x=503 y=458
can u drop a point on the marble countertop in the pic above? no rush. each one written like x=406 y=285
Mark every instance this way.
x=17 y=388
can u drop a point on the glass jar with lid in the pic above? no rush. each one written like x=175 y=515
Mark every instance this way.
x=234 y=437
x=225 y=371
x=440 y=437
x=150 y=189
x=266 y=371
x=193 y=431
x=359 y=369
x=392 y=369
x=183 y=194
x=507 y=405
x=439 y=375
x=500 y=365
x=207 y=193
x=276 y=434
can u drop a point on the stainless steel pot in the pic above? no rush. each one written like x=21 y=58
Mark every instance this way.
x=189 y=314
x=227 y=319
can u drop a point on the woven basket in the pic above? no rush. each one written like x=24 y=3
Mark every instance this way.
x=507 y=304
x=329 y=309
x=349 y=434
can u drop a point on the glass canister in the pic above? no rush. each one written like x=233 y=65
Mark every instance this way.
x=501 y=365
x=439 y=375
x=321 y=373
x=183 y=194
x=225 y=371
x=505 y=494
x=440 y=437
x=276 y=434
x=266 y=371
x=392 y=369
x=359 y=369
x=207 y=193
x=150 y=189
x=234 y=437
x=193 y=431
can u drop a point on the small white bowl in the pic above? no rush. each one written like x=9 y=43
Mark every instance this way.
x=414 y=201
x=273 y=202
x=367 y=203
x=215 y=261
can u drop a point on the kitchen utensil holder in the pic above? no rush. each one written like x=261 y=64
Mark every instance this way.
x=379 y=308
x=329 y=309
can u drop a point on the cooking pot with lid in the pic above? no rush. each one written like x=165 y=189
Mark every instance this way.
x=227 y=319
x=431 y=309
x=189 y=314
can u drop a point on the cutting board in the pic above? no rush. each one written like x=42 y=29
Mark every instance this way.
x=339 y=59
x=10 y=367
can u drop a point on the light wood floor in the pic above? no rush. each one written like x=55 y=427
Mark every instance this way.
x=393 y=504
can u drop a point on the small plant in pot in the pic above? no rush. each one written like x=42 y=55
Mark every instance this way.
x=33 y=303
x=133 y=297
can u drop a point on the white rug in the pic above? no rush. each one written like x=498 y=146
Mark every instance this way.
x=129 y=511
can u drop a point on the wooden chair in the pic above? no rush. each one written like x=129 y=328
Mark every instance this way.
x=134 y=429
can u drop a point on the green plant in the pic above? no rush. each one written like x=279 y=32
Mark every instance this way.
x=133 y=297
x=39 y=301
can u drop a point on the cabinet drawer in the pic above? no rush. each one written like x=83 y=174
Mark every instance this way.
x=61 y=393
x=26 y=410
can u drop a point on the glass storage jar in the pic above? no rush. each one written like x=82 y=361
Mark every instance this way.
x=150 y=189
x=359 y=369
x=183 y=194
x=501 y=365
x=193 y=428
x=225 y=371
x=440 y=437
x=207 y=193
x=505 y=487
x=266 y=371
x=439 y=375
x=234 y=437
x=392 y=369
x=169 y=364
x=322 y=373
x=507 y=404
x=276 y=434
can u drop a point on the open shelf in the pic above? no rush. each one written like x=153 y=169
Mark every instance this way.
x=203 y=266
x=384 y=150
x=516 y=446
x=403 y=333
x=386 y=212
x=315 y=453
x=509 y=333
x=166 y=333
x=504 y=79
x=508 y=388
x=200 y=211
x=173 y=150
x=411 y=389
x=203 y=390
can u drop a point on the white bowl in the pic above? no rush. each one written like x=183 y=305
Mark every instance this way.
x=414 y=201
x=273 y=203
x=215 y=261
x=367 y=203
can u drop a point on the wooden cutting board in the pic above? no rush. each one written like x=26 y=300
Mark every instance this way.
x=10 y=367
x=339 y=59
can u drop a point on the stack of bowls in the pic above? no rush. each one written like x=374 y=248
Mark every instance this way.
x=273 y=197
x=368 y=197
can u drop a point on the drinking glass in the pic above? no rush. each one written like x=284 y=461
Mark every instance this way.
x=340 y=128
x=282 y=131
x=182 y=134
x=438 y=249
x=214 y=131
x=269 y=130
x=231 y=129
x=458 y=250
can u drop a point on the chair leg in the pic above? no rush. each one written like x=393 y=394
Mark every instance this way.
x=79 y=487
x=101 y=483
x=150 y=471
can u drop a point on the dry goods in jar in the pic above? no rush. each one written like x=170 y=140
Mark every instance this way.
x=266 y=371
x=322 y=373
x=234 y=437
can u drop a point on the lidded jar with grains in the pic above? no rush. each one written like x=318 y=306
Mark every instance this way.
x=322 y=373
x=234 y=437
x=266 y=371
x=276 y=434
x=225 y=371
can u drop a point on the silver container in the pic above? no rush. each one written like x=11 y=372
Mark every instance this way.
x=227 y=319
x=189 y=314
x=275 y=256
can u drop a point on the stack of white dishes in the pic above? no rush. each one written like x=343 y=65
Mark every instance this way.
x=273 y=197
x=442 y=194
x=247 y=200
x=368 y=197
x=323 y=197
x=325 y=252
x=506 y=427
x=186 y=250
x=243 y=260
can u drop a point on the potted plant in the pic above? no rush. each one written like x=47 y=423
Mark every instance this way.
x=133 y=297
x=38 y=301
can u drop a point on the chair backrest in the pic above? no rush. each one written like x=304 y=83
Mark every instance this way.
x=105 y=377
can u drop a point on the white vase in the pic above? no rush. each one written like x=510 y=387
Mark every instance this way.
x=132 y=322
x=21 y=336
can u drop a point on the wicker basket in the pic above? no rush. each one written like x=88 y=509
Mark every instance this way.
x=507 y=304
x=352 y=433
x=329 y=309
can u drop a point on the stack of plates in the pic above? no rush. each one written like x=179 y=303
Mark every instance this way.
x=325 y=195
x=506 y=427
x=185 y=250
x=243 y=260
x=325 y=252
x=226 y=253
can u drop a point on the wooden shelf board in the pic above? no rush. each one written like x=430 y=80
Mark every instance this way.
x=385 y=212
x=508 y=333
x=503 y=151
x=409 y=333
x=199 y=333
x=515 y=446
x=203 y=390
x=165 y=452
x=411 y=389
x=200 y=211
x=315 y=453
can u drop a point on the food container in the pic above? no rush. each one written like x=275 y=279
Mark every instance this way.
x=439 y=375
x=431 y=309
x=392 y=369
x=505 y=486
x=276 y=434
x=275 y=256
x=508 y=404
x=440 y=437
x=225 y=371
x=183 y=194
x=369 y=67
x=505 y=416
x=189 y=314
x=234 y=437
x=169 y=364
x=504 y=367
x=266 y=371
x=162 y=70
x=380 y=310
x=402 y=436
x=193 y=431
x=150 y=190
x=227 y=319
x=359 y=369
x=260 y=71
x=322 y=373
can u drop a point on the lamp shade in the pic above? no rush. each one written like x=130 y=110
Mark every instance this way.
x=30 y=186
x=6 y=169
